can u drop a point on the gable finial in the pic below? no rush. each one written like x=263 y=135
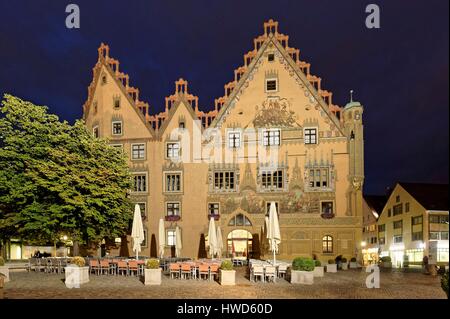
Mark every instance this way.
x=351 y=96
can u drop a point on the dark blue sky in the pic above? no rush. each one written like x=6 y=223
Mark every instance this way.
x=398 y=72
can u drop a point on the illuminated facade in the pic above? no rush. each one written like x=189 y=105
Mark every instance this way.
x=272 y=103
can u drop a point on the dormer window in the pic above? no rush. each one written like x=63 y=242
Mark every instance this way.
x=116 y=102
x=117 y=128
x=271 y=57
x=310 y=135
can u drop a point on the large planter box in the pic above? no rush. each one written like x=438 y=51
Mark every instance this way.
x=153 y=276
x=344 y=266
x=5 y=271
x=353 y=265
x=76 y=276
x=302 y=277
x=318 y=271
x=332 y=268
x=227 y=277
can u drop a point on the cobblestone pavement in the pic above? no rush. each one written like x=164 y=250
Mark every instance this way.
x=348 y=284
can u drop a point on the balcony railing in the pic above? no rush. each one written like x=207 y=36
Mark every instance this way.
x=172 y=218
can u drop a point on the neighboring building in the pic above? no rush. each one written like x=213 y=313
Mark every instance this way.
x=414 y=224
x=316 y=176
x=372 y=207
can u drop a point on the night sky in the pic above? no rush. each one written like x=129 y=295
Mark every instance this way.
x=399 y=72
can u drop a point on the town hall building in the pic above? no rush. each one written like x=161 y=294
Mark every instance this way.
x=191 y=163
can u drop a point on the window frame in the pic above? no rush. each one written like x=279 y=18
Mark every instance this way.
x=121 y=128
x=266 y=139
x=167 y=150
x=266 y=81
x=327 y=242
x=221 y=180
x=144 y=151
x=271 y=179
x=174 y=173
x=134 y=182
x=166 y=207
x=234 y=132
x=173 y=232
x=307 y=141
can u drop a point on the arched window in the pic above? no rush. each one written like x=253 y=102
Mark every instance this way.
x=327 y=244
x=239 y=220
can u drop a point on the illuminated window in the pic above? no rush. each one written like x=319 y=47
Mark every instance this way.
x=327 y=244
x=271 y=137
x=171 y=237
x=173 y=150
x=234 y=139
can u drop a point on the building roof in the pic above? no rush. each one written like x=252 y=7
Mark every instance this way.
x=430 y=196
x=376 y=202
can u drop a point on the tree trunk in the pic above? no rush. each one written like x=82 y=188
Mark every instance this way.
x=75 y=248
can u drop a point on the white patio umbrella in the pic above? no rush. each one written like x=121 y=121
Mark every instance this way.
x=161 y=238
x=273 y=231
x=178 y=244
x=137 y=232
x=219 y=242
x=212 y=238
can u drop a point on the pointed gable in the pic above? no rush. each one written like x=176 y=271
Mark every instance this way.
x=272 y=58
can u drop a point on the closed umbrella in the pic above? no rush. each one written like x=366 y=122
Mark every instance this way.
x=273 y=231
x=137 y=232
x=178 y=244
x=219 y=242
x=161 y=238
x=212 y=237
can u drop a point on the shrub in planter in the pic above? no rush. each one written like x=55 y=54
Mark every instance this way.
x=302 y=271
x=152 y=272
x=386 y=262
x=317 y=263
x=344 y=264
x=76 y=272
x=227 y=273
x=4 y=269
x=444 y=282
x=332 y=266
x=353 y=259
x=353 y=263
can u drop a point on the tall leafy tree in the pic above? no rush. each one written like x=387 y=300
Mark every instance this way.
x=56 y=178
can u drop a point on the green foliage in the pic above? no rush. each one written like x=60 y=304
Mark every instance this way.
x=344 y=260
x=152 y=264
x=386 y=259
x=317 y=263
x=226 y=265
x=331 y=261
x=303 y=263
x=56 y=178
x=444 y=282
x=353 y=259
x=79 y=261
x=2 y=261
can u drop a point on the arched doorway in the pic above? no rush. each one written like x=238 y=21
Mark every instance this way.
x=239 y=243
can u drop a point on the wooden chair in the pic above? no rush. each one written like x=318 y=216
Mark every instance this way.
x=257 y=271
x=94 y=266
x=133 y=267
x=122 y=267
x=282 y=269
x=270 y=273
x=104 y=266
x=203 y=269
x=213 y=271
x=174 y=270
x=185 y=270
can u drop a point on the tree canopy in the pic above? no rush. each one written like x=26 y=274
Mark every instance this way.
x=57 y=179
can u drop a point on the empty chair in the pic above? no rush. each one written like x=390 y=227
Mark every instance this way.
x=122 y=267
x=185 y=271
x=213 y=271
x=203 y=270
x=282 y=269
x=94 y=266
x=174 y=270
x=257 y=271
x=270 y=273
x=141 y=267
x=104 y=267
x=133 y=267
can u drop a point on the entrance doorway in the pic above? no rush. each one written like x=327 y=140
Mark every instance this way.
x=239 y=244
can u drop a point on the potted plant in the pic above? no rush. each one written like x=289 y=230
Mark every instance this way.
x=227 y=274
x=332 y=266
x=318 y=269
x=344 y=264
x=152 y=273
x=302 y=271
x=444 y=282
x=386 y=262
x=4 y=269
x=353 y=263
x=76 y=272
